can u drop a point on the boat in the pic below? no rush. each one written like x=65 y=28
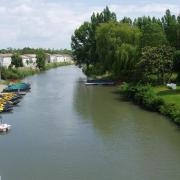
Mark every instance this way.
x=100 y=82
x=11 y=97
x=18 y=87
x=5 y=106
x=4 y=127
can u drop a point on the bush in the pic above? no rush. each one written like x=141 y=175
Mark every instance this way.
x=17 y=73
x=171 y=111
x=146 y=97
x=142 y=95
x=55 y=64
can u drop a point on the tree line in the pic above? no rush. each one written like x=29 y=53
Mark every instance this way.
x=145 y=49
x=28 y=50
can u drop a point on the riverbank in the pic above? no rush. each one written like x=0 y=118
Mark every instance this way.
x=154 y=100
x=20 y=73
x=169 y=95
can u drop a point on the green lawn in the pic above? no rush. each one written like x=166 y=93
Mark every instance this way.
x=169 y=95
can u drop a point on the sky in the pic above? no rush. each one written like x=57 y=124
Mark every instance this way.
x=51 y=23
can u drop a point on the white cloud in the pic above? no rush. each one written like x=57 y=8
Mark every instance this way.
x=152 y=9
x=46 y=24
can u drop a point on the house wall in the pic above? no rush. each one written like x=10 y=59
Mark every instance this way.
x=58 y=58
x=5 y=61
x=29 y=61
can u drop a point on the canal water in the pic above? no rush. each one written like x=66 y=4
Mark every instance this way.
x=64 y=130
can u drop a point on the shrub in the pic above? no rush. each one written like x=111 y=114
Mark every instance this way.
x=171 y=111
x=13 y=73
x=146 y=97
x=55 y=64
x=142 y=95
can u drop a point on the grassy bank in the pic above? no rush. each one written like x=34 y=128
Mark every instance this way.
x=169 y=95
x=20 y=73
x=9 y=74
x=56 y=64
x=154 y=99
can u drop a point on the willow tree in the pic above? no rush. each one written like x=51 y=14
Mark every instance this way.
x=117 y=47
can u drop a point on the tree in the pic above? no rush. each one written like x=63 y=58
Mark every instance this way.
x=16 y=60
x=177 y=63
x=83 y=42
x=156 y=61
x=126 y=20
x=170 y=27
x=117 y=47
x=153 y=35
x=41 y=57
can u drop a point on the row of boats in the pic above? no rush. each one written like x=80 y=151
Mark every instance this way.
x=10 y=97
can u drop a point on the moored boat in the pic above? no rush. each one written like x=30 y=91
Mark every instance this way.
x=99 y=82
x=18 y=87
x=4 y=127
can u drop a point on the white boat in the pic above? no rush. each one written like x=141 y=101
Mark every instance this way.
x=4 y=127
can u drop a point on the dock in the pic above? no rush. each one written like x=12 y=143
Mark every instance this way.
x=100 y=82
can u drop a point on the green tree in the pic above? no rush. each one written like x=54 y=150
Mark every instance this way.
x=16 y=60
x=158 y=62
x=171 y=28
x=117 y=47
x=177 y=63
x=126 y=20
x=83 y=42
x=153 y=35
x=41 y=58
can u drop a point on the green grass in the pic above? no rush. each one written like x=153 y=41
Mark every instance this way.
x=56 y=64
x=20 y=73
x=169 y=95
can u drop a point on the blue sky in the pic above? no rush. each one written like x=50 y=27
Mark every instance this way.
x=50 y=23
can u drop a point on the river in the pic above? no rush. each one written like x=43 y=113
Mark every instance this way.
x=64 y=130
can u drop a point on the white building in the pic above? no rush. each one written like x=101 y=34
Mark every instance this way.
x=29 y=60
x=5 y=60
x=51 y=58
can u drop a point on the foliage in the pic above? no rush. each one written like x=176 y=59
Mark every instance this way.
x=147 y=98
x=177 y=63
x=81 y=44
x=157 y=61
x=172 y=29
x=83 y=41
x=16 y=60
x=153 y=35
x=55 y=65
x=28 y=50
x=142 y=95
x=171 y=111
x=41 y=57
x=107 y=45
x=14 y=73
x=117 y=47
x=19 y=73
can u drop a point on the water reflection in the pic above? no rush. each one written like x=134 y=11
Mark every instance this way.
x=98 y=105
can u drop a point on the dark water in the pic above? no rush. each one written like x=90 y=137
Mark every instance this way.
x=64 y=130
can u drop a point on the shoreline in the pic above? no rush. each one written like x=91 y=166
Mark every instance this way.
x=13 y=75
